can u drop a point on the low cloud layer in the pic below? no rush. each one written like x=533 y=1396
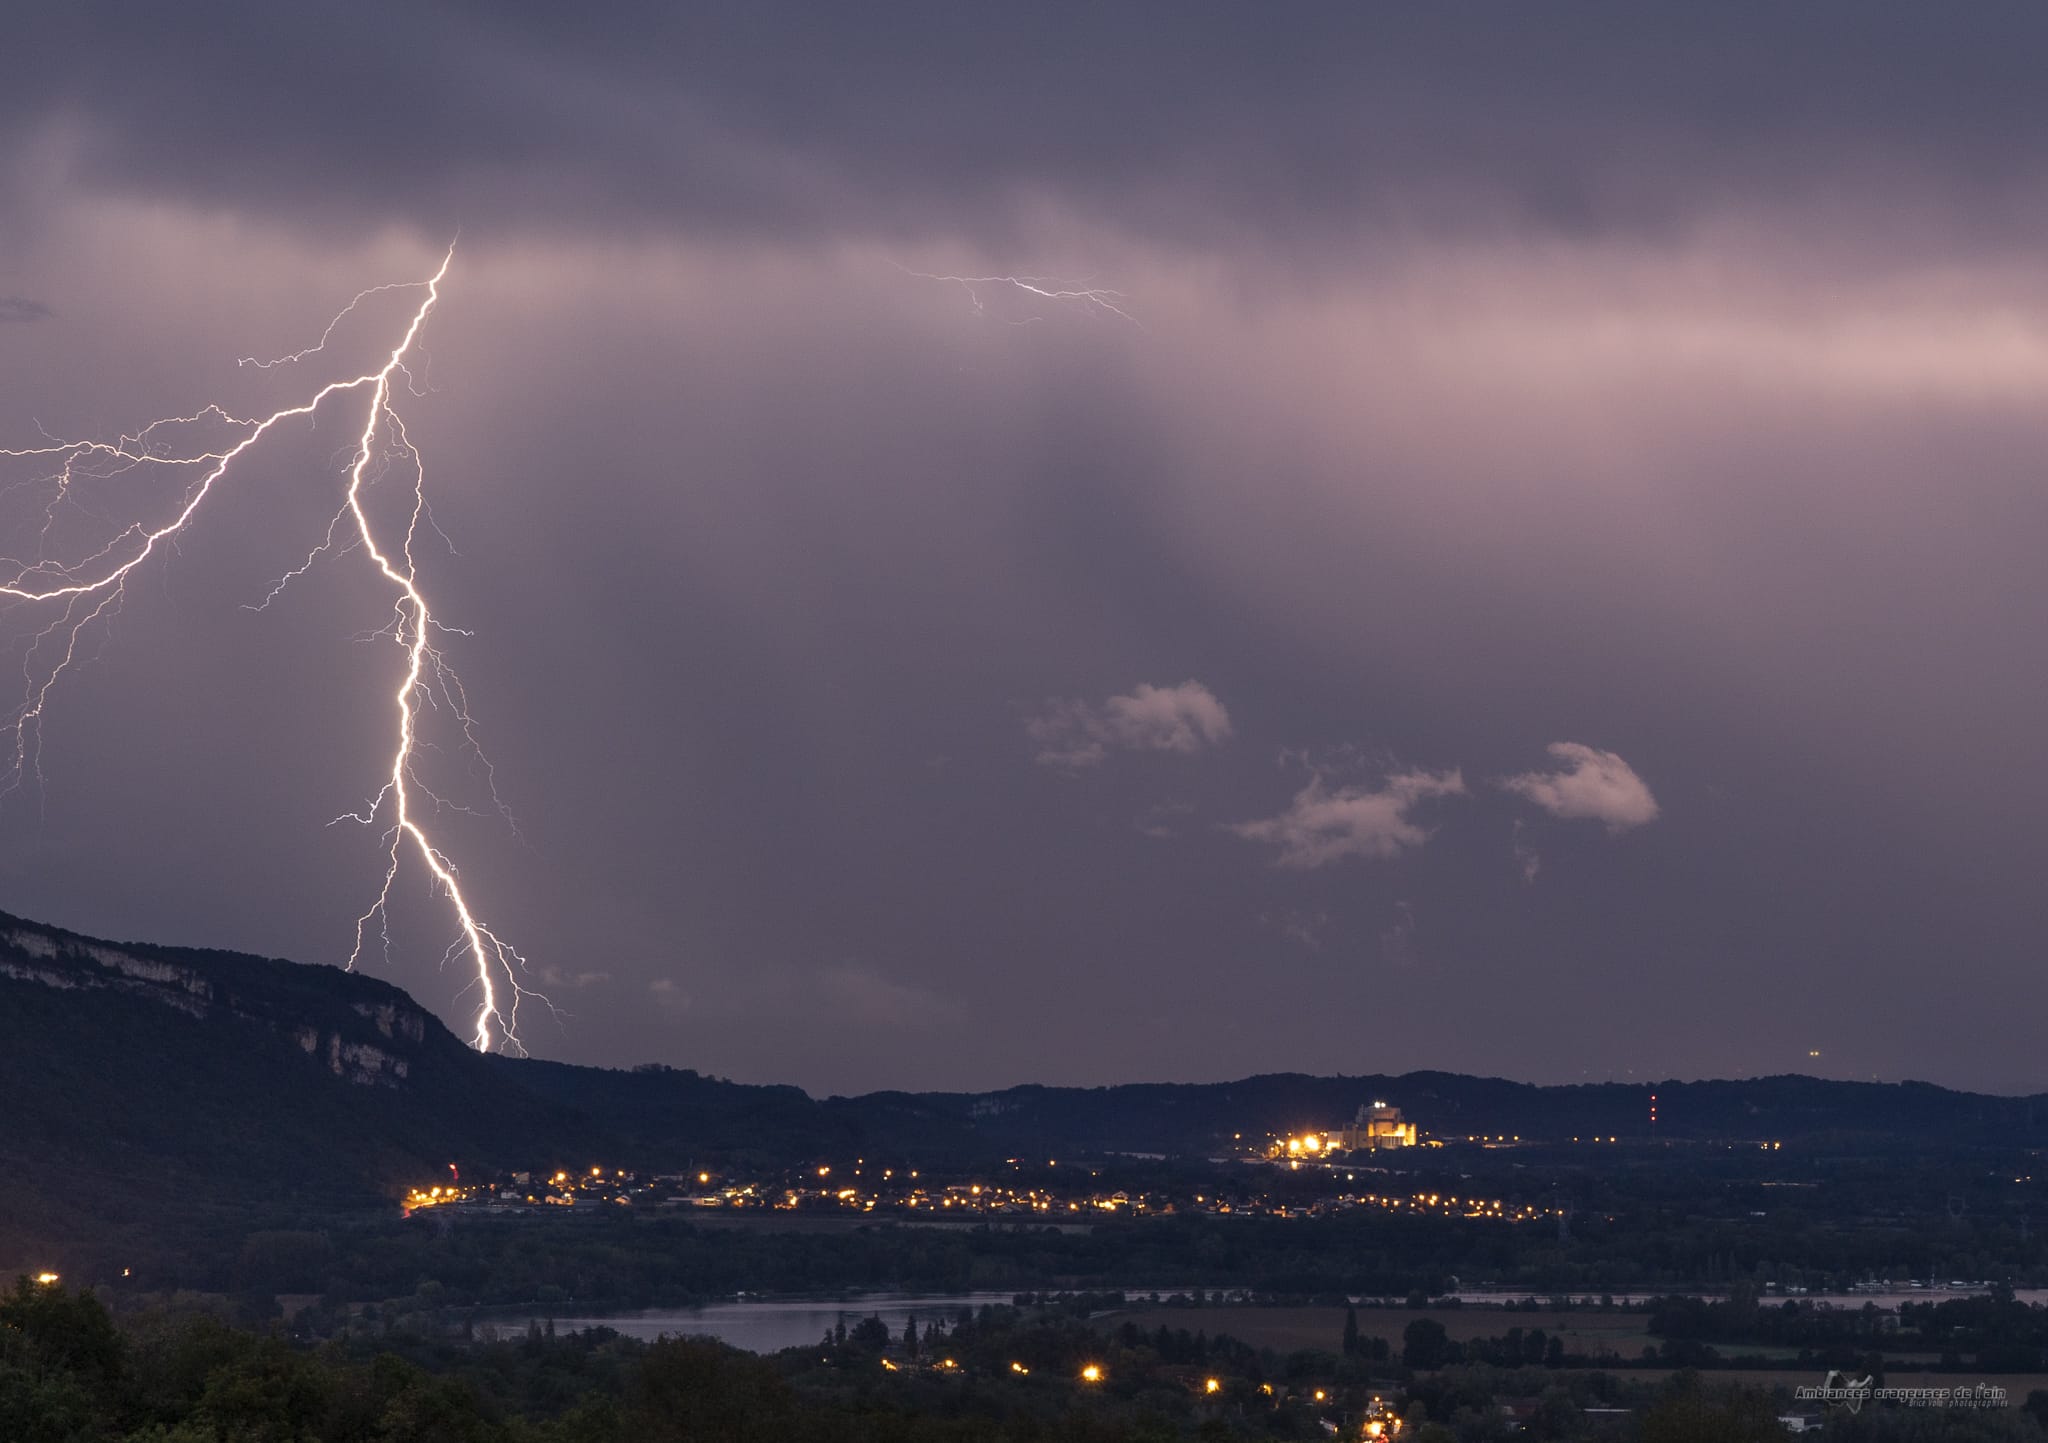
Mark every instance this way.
x=1588 y=783
x=1185 y=718
x=1324 y=825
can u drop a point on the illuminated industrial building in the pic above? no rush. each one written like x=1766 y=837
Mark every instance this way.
x=1376 y=1126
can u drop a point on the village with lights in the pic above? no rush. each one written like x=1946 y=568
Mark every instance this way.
x=1022 y=1191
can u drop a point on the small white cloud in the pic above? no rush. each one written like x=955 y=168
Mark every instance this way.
x=1067 y=736
x=1323 y=825
x=1588 y=783
x=1526 y=856
x=669 y=994
x=1184 y=718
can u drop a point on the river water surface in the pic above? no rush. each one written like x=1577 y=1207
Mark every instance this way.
x=764 y=1326
x=761 y=1325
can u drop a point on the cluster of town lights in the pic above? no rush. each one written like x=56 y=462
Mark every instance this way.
x=819 y=1185
x=837 y=1187
x=1380 y=1421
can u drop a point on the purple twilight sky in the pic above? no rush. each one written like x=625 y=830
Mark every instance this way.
x=1540 y=572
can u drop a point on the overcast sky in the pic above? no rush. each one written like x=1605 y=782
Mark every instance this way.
x=1537 y=569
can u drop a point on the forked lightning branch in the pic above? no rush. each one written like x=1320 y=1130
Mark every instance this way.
x=69 y=599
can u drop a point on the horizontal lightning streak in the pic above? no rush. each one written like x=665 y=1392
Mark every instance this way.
x=1096 y=298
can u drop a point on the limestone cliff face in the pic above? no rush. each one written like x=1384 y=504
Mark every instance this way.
x=359 y=1029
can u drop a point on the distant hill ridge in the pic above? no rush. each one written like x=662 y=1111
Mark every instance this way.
x=365 y=1030
x=139 y=1078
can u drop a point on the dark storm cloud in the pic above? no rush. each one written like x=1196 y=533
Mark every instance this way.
x=20 y=310
x=1659 y=388
x=1191 y=121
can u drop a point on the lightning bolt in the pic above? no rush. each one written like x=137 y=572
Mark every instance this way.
x=77 y=594
x=1045 y=288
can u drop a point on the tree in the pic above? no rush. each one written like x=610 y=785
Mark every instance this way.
x=1691 y=1413
x=1557 y=1416
x=269 y=1392
x=65 y=1331
x=2037 y=1405
x=1350 y=1330
x=1425 y=1344
x=910 y=1337
x=691 y=1390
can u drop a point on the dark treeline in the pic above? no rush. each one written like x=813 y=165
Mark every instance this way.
x=1992 y=1333
x=70 y=1373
